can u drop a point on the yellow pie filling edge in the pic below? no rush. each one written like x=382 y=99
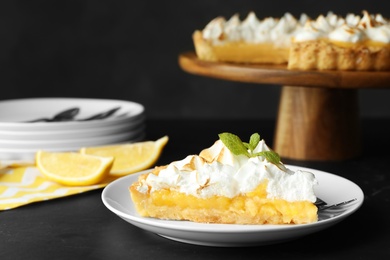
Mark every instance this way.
x=239 y=52
x=250 y=208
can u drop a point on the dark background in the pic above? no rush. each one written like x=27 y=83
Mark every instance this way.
x=129 y=50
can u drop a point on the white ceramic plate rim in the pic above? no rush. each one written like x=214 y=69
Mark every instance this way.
x=13 y=112
x=65 y=139
x=29 y=154
x=71 y=133
x=74 y=142
x=117 y=199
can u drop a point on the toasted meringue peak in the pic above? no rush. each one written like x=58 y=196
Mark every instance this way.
x=347 y=33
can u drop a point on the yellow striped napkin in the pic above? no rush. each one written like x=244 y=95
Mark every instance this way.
x=24 y=185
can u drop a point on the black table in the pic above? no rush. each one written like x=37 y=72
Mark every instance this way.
x=81 y=227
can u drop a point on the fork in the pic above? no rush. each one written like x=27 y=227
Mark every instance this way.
x=101 y=115
x=322 y=205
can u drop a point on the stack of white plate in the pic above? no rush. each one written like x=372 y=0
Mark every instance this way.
x=20 y=139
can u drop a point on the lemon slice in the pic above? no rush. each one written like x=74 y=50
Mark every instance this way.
x=73 y=169
x=132 y=157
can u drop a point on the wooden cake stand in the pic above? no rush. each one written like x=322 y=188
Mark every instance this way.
x=318 y=116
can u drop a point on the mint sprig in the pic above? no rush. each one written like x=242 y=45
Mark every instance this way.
x=238 y=147
x=234 y=144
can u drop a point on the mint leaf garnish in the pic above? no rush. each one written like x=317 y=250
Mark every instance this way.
x=238 y=147
x=271 y=156
x=234 y=144
x=254 y=141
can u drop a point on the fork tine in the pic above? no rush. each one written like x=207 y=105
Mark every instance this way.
x=319 y=202
x=323 y=207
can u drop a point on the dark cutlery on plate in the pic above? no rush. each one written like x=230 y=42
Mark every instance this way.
x=65 y=115
x=70 y=114
x=101 y=115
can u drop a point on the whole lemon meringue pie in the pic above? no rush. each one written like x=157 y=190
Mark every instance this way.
x=230 y=182
x=329 y=42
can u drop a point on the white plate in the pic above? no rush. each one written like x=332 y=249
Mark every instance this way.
x=331 y=188
x=74 y=142
x=28 y=154
x=14 y=113
x=71 y=133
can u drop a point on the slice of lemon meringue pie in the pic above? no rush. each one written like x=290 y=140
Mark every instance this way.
x=231 y=182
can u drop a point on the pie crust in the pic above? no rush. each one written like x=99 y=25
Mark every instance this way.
x=325 y=55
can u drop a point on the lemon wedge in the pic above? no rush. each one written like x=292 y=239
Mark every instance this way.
x=131 y=157
x=73 y=169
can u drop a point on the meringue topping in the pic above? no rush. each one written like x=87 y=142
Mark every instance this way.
x=216 y=171
x=351 y=28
